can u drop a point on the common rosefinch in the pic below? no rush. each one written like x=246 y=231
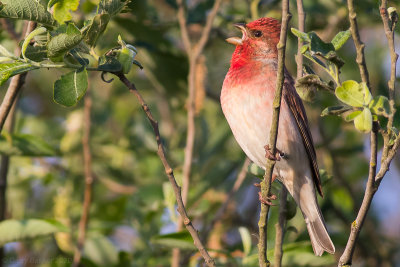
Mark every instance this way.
x=246 y=99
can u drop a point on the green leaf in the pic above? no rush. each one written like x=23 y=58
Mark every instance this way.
x=363 y=122
x=353 y=115
x=25 y=145
x=60 y=44
x=18 y=230
x=26 y=10
x=111 y=7
x=317 y=45
x=30 y=36
x=303 y=36
x=62 y=8
x=380 y=106
x=109 y=64
x=336 y=110
x=246 y=239
x=97 y=26
x=340 y=39
x=353 y=93
x=101 y=251
x=70 y=88
x=5 y=52
x=181 y=240
x=8 y=70
x=36 y=53
x=307 y=86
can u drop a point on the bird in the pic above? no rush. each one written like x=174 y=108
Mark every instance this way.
x=247 y=102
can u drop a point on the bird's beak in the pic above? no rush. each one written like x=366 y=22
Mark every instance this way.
x=237 y=40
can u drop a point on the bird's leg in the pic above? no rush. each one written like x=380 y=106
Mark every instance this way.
x=268 y=153
x=267 y=201
x=271 y=197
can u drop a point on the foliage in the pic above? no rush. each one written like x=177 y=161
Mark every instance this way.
x=133 y=214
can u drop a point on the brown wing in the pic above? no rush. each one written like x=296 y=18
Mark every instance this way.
x=296 y=106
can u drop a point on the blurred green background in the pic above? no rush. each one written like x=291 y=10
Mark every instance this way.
x=133 y=214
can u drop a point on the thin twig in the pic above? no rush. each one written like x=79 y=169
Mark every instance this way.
x=193 y=52
x=389 y=32
x=87 y=164
x=168 y=170
x=280 y=228
x=388 y=154
x=301 y=21
x=370 y=190
x=266 y=183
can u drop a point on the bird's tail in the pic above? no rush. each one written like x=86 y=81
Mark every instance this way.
x=316 y=227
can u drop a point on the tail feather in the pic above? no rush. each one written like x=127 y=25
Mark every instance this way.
x=305 y=196
x=319 y=236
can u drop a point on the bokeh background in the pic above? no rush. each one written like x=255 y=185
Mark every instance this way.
x=132 y=217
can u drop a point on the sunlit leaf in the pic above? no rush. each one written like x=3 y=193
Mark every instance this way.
x=18 y=230
x=8 y=70
x=70 y=88
x=111 y=7
x=353 y=115
x=30 y=36
x=304 y=36
x=353 y=93
x=62 y=8
x=380 y=106
x=340 y=39
x=363 y=122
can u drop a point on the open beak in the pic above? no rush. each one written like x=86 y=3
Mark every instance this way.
x=237 y=40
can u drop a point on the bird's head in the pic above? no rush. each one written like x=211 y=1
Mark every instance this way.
x=259 y=39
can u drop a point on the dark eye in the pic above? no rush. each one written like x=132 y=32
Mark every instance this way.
x=257 y=34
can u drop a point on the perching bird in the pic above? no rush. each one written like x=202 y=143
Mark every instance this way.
x=246 y=99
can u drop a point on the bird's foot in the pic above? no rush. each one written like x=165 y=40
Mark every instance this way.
x=269 y=155
x=267 y=201
x=272 y=180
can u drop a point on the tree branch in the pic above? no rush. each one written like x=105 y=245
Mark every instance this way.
x=388 y=154
x=389 y=32
x=193 y=56
x=168 y=170
x=87 y=163
x=301 y=21
x=266 y=183
x=280 y=228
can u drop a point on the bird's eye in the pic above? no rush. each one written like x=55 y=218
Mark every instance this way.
x=257 y=34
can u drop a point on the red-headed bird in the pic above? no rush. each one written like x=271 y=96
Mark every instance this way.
x=246 y=99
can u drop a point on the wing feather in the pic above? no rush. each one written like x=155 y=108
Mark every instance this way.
x=296 y=106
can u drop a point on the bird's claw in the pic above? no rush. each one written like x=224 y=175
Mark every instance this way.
x=269 y=155
x=267 y=201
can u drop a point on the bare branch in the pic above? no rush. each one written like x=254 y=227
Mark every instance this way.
x=87 y=163
x=301 y=21
x=193 y=56
x=182 y=24
x=362 y=65
x=370 y=190
x=280 y=228
x=389 y=32
x=388 y=153
x=266 y=183
x=168 y=170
